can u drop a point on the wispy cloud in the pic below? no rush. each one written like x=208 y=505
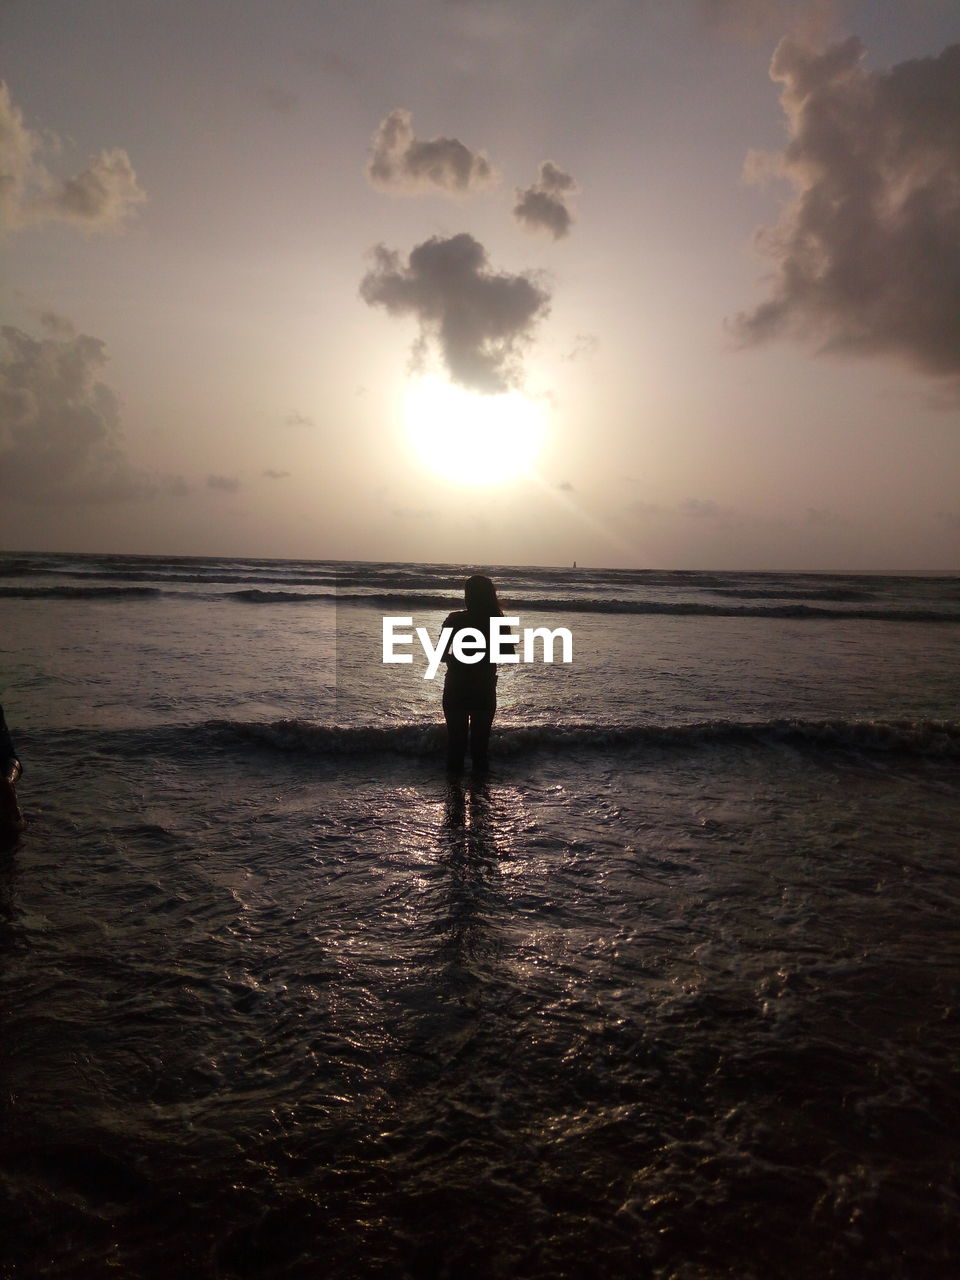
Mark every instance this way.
x=99 y=198
x=755 y=20
x=413 y=513
x=641 y=508
x=705 y=509
x=224 y=484
x=867 y=256
x=273 y=474
x=295 y=419
x=701 y=509
x=403 y=164
x=477 y=320
x=823 y=518
x=584 y=346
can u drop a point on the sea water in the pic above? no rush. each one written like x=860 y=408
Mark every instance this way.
x=671 y=992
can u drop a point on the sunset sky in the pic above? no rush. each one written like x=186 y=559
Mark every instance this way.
x=629 y=283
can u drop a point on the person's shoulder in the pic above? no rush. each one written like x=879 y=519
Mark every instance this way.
x=454 y=619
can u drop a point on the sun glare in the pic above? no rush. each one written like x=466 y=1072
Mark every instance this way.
x=470 y=438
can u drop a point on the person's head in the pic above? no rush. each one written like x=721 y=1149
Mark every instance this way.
x=481 y=596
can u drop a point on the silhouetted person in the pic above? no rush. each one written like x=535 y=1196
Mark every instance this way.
x=11 y=819
x=470 y=689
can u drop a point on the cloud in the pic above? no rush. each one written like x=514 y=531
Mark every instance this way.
x=542 y=207
x=225 y=484
x=584 y=346
x=867 y=256
x=406 y=165
x=331 y=62
x=271 y=474
x=295 y=419
x=99 y=198
x=705 y=509
x=60 y=437
x=478 y=320
x=823 y=518
x=565 y=487
x=58 y=326
x=277 y=99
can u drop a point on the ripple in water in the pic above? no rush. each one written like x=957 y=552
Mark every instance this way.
x=669 y=1015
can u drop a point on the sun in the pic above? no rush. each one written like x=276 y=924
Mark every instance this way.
x=469 y=438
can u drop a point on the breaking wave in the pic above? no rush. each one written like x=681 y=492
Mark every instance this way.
x=679 y=608
x=72 y=593
x=403 y=602
x=912 y=737
x=939 y=739
x=398 y=602
x=256 y=595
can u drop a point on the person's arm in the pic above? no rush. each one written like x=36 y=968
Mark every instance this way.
x=449 y=621
x=10 y=816
x=9 y=763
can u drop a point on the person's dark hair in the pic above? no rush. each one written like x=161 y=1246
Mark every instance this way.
x=481 y=597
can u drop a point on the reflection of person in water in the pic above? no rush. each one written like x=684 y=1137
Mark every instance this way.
x=467 y=910
x=11 y=819
x=470 y=690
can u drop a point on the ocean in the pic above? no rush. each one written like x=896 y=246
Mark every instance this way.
x=671 y=992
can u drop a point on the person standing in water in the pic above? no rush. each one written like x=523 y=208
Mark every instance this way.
x=470 y=689
x=11 y=819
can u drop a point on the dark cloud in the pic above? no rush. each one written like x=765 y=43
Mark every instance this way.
x=868 y=255
x=478 y=320
x=277 y=99
x=406 y=165
x=543 y=207
x=225 y=484
x=58 y=326
x=100 y=197
x=271 y=474
x=60 y=437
